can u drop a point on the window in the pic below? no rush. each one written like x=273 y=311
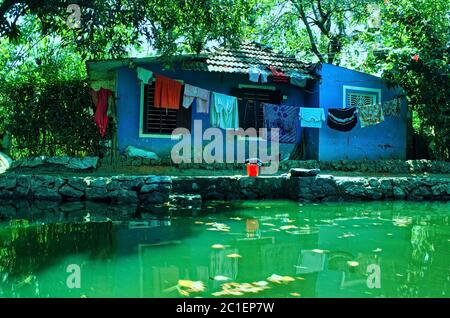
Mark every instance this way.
x=360 y=96
x=161 y=120
x=251 y=111
x=359 y=99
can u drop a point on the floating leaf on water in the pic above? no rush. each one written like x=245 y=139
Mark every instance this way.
x=234 y=255
x=235 y=218
x=217 y=246
x=295 y=294
x=209 y=223
x=352 y=263
x=274 y=278
x=183 y=292
x=288 y=227
x=221 y=278
x=261 y=283
x=193 y=286
x=199 y=222
x=268 y=224
x=300 y=278
x=377 y=250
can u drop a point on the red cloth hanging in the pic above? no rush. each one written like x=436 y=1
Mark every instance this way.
x=101 y=116
x=167 y=93
x=278 y=76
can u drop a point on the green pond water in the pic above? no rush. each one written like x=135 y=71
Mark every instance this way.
x=238 y=249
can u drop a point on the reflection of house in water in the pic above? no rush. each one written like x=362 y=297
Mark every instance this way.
x=194 y=259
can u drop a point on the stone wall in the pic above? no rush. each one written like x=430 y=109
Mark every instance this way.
x=190 y=190
x=148 y=189
x=370 y=166
x=320 y=188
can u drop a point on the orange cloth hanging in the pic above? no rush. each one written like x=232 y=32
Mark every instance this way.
x=167 y=93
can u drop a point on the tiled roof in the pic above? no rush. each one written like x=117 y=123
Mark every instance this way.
x=239 y=59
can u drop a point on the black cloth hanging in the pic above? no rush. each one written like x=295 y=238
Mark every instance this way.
x=342 y=119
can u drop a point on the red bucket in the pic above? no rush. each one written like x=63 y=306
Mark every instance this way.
x=252 y=169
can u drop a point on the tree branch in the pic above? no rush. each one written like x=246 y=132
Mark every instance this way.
x=312 y=40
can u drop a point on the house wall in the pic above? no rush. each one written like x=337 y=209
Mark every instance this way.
x=386 y=140
x=128 y=105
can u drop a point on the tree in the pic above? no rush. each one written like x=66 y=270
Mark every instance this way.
x=413 y=53
x=111 y=27
x=323 y=27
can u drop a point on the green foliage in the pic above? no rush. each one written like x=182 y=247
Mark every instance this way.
x=44 y=103
x=51 y=119
x=312 y=29
x=414 y=40
x=111 y=27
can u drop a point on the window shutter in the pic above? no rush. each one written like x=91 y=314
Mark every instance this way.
x=161 y=120
x=360 y=99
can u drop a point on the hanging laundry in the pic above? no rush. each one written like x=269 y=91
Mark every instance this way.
x=256 y=72
x=264 y=75
x=282 y=117
x=167 y=93
x=299 y=79
x=342 y=119
x=101 y=113
x=370 y=115
x=311 y=117
x=201 y=95
x=144 y=75
x=392 y=107
x=278 y=76
x=224 y=111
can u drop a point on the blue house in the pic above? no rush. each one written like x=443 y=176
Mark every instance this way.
x=226 y=71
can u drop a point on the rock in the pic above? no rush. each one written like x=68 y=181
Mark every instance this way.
x=5 y=162
x=154 y=197
x=62 y=160
x=70 y=192
x=299 y=172
x=83 y=163
x=44 y=193
x=134 y=152
x=8 y=182
x=33 y=162
x=374 y=183
x=79 y=184
x=398 y=193
x=150 y=188
x=97 y=194
x=124 y=196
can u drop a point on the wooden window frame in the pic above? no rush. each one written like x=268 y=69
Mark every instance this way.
x=144 y=114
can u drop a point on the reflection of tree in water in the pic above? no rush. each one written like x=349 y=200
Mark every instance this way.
x=423 y=272
x=26 y=249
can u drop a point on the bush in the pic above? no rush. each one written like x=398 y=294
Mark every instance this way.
x=52 y=118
